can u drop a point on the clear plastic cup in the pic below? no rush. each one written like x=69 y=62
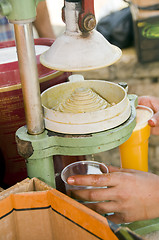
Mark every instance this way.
x=82 y=168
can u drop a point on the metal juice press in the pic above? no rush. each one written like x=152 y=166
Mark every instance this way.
x=35 y=143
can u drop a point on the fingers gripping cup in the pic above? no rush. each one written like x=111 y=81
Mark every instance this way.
x=134 y=152
x=81 y=168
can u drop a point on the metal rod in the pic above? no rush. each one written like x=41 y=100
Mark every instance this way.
x=29 y=78
x=71 y=17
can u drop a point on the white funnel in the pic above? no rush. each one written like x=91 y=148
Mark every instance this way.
x=77 y=51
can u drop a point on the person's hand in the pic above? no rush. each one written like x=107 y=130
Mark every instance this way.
x=131 y=195
x=153 y=103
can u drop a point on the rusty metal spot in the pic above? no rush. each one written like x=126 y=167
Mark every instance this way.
x=25 y=148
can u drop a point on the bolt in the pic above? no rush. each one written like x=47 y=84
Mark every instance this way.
x=89 y=23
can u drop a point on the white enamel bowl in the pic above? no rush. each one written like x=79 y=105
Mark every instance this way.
x=88 y=122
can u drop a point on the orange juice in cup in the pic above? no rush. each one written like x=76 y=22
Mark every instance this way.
x=134 y=152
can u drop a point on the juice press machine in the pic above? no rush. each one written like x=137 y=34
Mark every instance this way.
x=79 y=48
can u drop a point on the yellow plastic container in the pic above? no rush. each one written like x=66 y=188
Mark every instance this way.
x=134 y=152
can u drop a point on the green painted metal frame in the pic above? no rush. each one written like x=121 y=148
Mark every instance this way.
x=19 y=10
x=39 y=149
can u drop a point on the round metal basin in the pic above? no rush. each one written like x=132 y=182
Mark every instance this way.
x=86 y=122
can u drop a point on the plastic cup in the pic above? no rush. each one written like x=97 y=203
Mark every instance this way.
x=134 y=152
x=82 y=168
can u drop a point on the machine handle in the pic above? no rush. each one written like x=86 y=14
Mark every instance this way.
x=88 y=6
x=87 y=21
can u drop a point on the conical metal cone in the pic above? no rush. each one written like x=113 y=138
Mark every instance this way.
x=82 y=100
x=74 y=52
